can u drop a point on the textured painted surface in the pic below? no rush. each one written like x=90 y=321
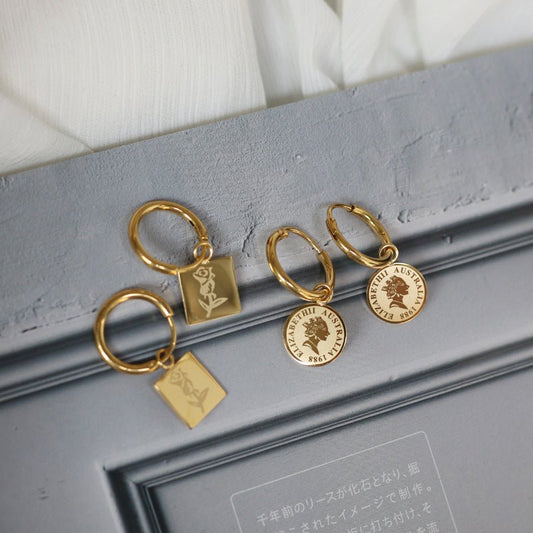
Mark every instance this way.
x=409 y=149
x=443 y=156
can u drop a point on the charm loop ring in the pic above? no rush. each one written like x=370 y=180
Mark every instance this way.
x=322 y=293
x=203 y=250
x=387 y=254
x=164 y=358
x=200 y=249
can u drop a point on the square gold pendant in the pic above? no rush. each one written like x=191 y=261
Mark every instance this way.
x=190 y=390
x=210 y=291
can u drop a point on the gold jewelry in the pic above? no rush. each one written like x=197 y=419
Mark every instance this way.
x=314 y=334
x=187 y=387
x=397 y=292
x=208 y=285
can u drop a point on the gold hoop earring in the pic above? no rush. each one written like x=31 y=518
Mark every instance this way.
x=397 y=292
x=208 y=285
x=314 y=334
x=187 y=386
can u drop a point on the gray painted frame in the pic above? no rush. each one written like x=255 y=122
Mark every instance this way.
x=450 y=181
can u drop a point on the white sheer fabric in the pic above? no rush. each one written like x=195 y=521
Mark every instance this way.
x=79 y=76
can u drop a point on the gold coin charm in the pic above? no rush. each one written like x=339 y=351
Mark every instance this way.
x=396 y=293
x=314 y=334
x=208 y=285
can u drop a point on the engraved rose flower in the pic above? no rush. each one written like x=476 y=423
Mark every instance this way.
x=208 y=299
x=195 y=397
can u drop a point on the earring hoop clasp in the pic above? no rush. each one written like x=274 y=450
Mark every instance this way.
x=321 y=293
x=203 y=250
x=164 y=357
x=387 y=254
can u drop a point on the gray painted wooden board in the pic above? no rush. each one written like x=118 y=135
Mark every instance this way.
x=442 y=156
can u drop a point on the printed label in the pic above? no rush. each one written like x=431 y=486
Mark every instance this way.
x=394 y=487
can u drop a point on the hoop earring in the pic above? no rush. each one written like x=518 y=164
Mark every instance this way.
x=314 y=334
x=208 y=285
x=397 y=292
x=187 y=386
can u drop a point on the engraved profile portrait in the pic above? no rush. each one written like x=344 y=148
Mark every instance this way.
x=316 y=330
x=396 y=288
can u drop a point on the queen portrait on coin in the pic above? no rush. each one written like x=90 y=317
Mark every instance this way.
x=316 y=330
x=396 y=288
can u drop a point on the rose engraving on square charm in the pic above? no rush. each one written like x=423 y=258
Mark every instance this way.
x=190 y=390
x=210 y=291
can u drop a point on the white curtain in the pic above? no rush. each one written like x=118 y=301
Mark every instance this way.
x=79 y=76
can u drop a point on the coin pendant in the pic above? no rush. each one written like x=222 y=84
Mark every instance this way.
x=314 y=334
x=396 y=293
